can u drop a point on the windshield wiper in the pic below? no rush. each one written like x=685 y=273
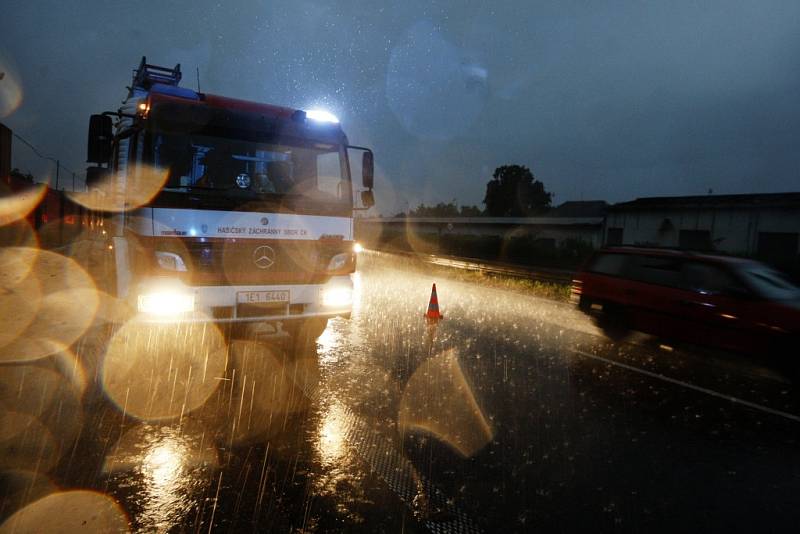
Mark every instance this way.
x=187 y=188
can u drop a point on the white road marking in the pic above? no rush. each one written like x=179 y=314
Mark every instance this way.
x=711 y=392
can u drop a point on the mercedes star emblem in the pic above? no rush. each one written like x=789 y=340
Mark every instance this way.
x=264 y=257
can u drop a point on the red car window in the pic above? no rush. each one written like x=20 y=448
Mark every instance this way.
x=612 y=264
x=663 y=271
x=708 y=278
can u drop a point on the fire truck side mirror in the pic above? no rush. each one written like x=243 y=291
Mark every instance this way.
x=98 y=147
x=367 y=170
x=367 y=199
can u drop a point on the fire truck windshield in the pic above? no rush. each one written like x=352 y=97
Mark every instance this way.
x=243 y=169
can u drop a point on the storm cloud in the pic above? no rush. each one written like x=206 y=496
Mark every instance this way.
x=604 y=100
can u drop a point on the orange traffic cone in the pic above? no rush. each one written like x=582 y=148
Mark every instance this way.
x=432 y=315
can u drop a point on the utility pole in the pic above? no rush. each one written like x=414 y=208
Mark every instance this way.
x=5 y=153
x=58 y=169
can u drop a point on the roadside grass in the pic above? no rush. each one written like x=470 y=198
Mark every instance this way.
x=547 y=290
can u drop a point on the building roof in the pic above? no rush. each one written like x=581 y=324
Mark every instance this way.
x=711 y=201
x=515 y=221
x=580 y=208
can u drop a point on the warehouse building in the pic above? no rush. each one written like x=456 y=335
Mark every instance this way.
x=765 y=226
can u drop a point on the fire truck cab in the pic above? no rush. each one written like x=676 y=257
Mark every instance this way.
x=224 y=210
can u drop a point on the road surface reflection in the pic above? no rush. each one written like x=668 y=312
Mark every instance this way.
x=515 y=413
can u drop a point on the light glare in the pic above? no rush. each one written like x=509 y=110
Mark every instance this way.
x=322 y=116
x=166 y=303
x=337 y=296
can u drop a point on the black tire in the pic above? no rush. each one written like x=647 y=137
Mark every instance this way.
x=303 y=338
x=783 y=352
x=614 y=322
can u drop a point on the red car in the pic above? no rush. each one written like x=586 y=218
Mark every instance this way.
x=725 y=302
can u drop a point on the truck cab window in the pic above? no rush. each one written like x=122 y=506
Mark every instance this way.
x=329 y=177
x=303 y=169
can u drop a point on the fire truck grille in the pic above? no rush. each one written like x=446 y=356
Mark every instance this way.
x=256 y=262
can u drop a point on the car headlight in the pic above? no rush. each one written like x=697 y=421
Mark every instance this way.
x=170 y=261
x=166 y=303
x=337 y=296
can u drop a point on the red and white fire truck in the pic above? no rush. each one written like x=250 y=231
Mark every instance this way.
x=226 y=210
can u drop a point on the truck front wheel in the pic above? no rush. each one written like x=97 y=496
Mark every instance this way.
x=303 y=338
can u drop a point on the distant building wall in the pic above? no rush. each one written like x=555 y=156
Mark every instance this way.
x=765 y=226
x=557 y=229
x=732 y=231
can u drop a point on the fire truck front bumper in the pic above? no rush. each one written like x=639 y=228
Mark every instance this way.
x=162 y=301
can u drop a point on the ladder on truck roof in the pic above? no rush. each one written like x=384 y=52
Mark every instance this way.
x=148 y=75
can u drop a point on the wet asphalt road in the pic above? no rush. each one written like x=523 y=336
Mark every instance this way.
x=514 y=414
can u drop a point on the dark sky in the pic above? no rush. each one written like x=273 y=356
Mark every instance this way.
x=603 y=100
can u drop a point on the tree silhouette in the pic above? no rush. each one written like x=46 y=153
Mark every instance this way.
x=470 y=211
x=443 y=210
x=514 y=192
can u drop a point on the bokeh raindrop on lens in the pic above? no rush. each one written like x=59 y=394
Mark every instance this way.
x=438 y=400
x=10 y=87
x=163 y=371
x=433 y=87
x=22 y=487
x=40 y=419
x=18 y=234
x=69 y=511
x=114 y=195
x=48 y=300
x=261 y=389
x=15 y=205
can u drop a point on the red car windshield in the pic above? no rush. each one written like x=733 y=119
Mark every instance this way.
x=769 y=283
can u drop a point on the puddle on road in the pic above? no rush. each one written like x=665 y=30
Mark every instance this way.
x=161 y=474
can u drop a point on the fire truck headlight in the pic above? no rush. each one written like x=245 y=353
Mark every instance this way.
x=166 y=303
x=358 y=248
x=170 y=261
x=337 y=296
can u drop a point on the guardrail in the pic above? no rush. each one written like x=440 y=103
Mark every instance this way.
x=553 y=276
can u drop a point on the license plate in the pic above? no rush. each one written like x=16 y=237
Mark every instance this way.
x=262 y=297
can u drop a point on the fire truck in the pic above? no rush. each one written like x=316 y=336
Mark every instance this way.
x=224 y=210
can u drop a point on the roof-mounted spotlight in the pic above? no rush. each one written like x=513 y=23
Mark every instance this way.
x=320 y=115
